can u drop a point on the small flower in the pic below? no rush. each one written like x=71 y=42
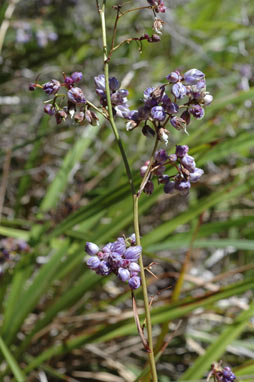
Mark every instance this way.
x=133 y=253
x=158 y=113
x=179 y=90
x=172 y=158
x=134 y=267
x=100 y=82
x=197 y=111
x=192 y=76
x=103 y=268
x=68 y=81
x=79 y=116
x=76 y=76
x=91 y=248
x=158 y=25
x=181 y=151
x=186 y=116
x=189 y=163
x=174 y=77
x=51 y=87
x=161 y=156
x=208 y=98
x=60 y=115
x=49 y=109
x=123 y=274
x=93 y=262
x=91 y=118
x=119 y=246
x=114 y=84
x=178 y=123
x=134 y=282
x=183 y=185
x=163 y=179
x=76 y=95
x=196 y=175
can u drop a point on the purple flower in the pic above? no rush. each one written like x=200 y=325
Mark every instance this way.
x=148 y=93
x=51 y=87
x=161 y=156
x=143 y=170
x=104 y=268
x=119 y=97
x=77 y=76
x=172 y=157
x=179 y=90
x=114 y=84
x=134 y=282
x=174 y=77
x=134 y=267
x=189 y=163
x=183 y=185
x=169 y=187
x=76 y=95
x=181 y=151
x=49 y=109
x=133 y=253
x=192 y=76
x=119 y=246
x=197 y=111
x=91 y=248
x=100 y=82
x=158 y=113
x=68 y=81
x=196 y=175
x=93 y=262
x=228 y=375
x=178 y=123
x=171 y=107
x=123 y=274
x=208 y=98
x=107 y=248
x=115 y=260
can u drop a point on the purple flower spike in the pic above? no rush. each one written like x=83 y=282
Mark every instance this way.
x=134 y=282
x=174 y=77
x=179 y=90
x=51 y=87
x=192 y=76
x=91 y=248
x=133 y=253
x=119 y=246
x=161 y=156
x=123 y=274
x=76 y=95
x=189 y=163
x=93 y=262
x=114 y=84
x=197 y=111
x=76 y=76
x=196 y=175
x=228 y=375
x=100 y=82
x=181 y=151
x=158 y=113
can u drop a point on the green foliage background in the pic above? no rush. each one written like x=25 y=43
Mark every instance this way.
x=67 y=185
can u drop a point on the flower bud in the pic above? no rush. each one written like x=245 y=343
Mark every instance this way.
x=133 y=253
x=158 y=113
x=119 y=246
x=189 y=163
x=114 y=84
x=51 y=87
x=49 y=109
x=178 y=123
x=133 y=238
x=172 y=157
x=79 y=116
x=186 y=116
x=104 y=268
x=143 y=170
x=163 y=179
x=60 y=115
x=123 y=274
x=32 y=87
x=76 y=76
x=182 y=186
x=154 y=38
x=178 y=90
x=134 y=267
x=181 y=151
x=100 y=82
x=93 y=262
x=91 y=117
x=192 y=76
x=68 y=81
x=196 y=175
x=149 y=187
x=197 y=111
x=134 y=282
x=91 y=248
x=158 y=25
x=76 y=95
x=208 y=98
x=174 y=77
x=161 y=156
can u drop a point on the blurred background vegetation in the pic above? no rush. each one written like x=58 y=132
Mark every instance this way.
x=62 y=185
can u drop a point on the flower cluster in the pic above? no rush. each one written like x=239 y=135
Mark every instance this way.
x=158 y=5
x=74 y=98
x=187 y=172
x=220 y=374
x=160 y=107
x=10 y=249
x=119 y=257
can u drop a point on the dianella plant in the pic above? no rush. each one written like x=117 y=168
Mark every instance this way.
x=164 y=115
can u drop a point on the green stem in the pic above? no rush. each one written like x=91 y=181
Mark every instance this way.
x=134 y=195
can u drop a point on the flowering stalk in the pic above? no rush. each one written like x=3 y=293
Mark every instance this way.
x=134 y=195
